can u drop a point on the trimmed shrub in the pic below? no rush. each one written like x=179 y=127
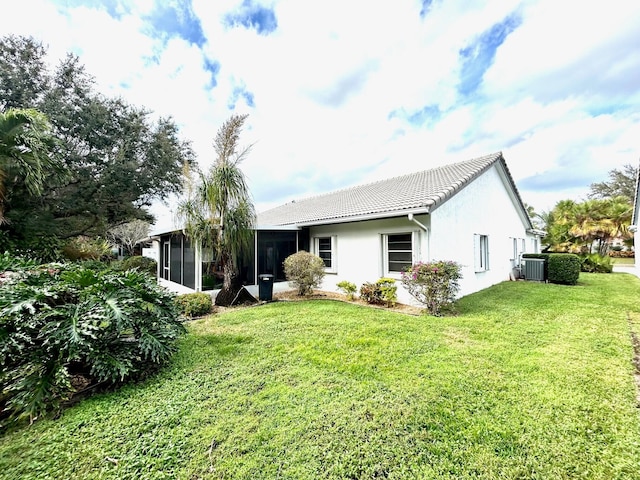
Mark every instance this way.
x=563 y=268
x=304 y=270
x=194 y=304
x=595 y=263
x=348 y=288
x=382 y=292
x=61 y=322
x=434 y=284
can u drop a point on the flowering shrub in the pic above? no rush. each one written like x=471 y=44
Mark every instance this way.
x=434 y=284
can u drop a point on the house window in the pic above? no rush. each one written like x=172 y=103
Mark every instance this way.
x=398 y=252
x=481 y=251
x=326 y=250
x=519 y=248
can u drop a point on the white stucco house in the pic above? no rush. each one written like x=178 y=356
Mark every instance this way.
x=469 y=212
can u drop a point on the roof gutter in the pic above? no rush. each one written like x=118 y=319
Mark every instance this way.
x=369 y=216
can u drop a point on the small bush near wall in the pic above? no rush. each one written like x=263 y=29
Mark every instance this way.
x=348 y=288
x=304 y=271
x=564 y=268
x=194 y=304
x=434 y=284
x=595 y=263
x=383 y=292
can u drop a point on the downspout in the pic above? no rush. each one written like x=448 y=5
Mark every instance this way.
x=412 y=219
x=426 y=230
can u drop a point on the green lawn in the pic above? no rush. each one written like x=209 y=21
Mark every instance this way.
x=530 y=381
x=623 y=261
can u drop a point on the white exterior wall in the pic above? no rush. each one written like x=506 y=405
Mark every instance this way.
x=483 y=207
x=359 y=250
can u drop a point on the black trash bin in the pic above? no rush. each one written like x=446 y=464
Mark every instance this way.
x=265 y=287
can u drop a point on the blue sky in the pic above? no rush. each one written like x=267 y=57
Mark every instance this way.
x=341 y=93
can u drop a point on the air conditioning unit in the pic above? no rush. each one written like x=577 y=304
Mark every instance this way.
x=534 y=269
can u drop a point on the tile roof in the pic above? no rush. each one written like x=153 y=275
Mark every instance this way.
x=423 y=190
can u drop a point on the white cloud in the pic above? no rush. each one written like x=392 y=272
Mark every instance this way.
x=562 y=89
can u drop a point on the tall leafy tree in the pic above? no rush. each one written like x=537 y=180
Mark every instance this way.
x=621 y=183
x=218 y=211
x=26 y=153
x=118 y=157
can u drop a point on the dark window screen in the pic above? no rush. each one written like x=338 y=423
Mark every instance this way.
x=189 y=272
x=176 y=259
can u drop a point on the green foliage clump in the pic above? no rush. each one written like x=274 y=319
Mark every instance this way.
x=382 y=292
x=111 y=158
x=563 y=268
x=435 y=284
x=144 y=264
x=194 y=304
x=349 y=288
x=85 y=248
x=13 y=263
x=304 y=270
x=58 y=321
x=596 y=263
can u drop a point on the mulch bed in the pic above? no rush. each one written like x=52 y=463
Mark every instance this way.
x=292 y=296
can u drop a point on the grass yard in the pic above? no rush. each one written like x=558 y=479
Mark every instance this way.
x=623 y=261
x=530 y=381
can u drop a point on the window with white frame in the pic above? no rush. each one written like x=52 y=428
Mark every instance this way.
x=398 y=252
x=325 y=248
x=519 y=247
x=481 y=251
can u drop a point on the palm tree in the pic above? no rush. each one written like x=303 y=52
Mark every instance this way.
x=218 y=211
x=25 y=152
x=579 y=227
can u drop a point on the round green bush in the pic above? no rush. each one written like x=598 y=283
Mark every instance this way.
x=304 y=271
x=194 y=304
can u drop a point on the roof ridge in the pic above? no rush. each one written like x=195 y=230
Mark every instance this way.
x=494 y=156
x=423 y=190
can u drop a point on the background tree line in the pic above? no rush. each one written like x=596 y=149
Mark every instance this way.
x=106 y=160
x=590 y=226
